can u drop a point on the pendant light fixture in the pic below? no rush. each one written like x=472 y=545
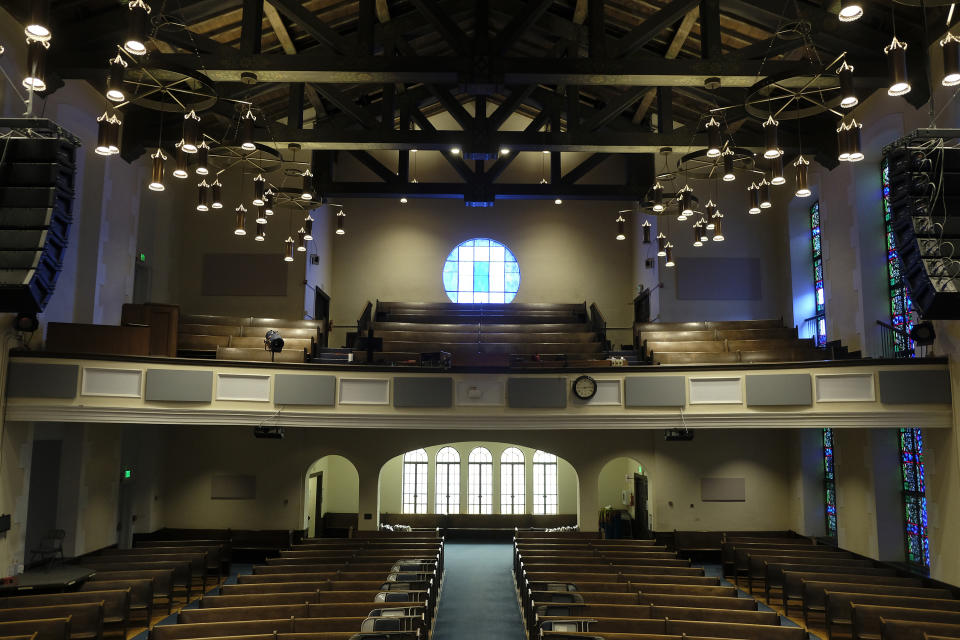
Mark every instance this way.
x=801 y=165
x=681 y=216
x=850 y=10
x=308 y=227
x=288 y=249
x=108 y=135
x=301 y=240
x=203 y=196
x=704 y=225
x=35 y=80
x=686 y=201
x=261 y=216
x=268 y=201
x=240 y=228
x=661 y=245
x=669 y=256
x=754 y=191
x=646 y=226
x=246 y=131
x=718 y=227
x=259 y=186
x=776 y=172
x=765 y=194
x=728 y=174
x=621 y=223
x=115 y=89
x=203 y=159
x=261 y=232
x=897 y=67
x=853 y=138
x=708 y=211
x=180 y=170
x=38 y=26
x=156 y=174
x=843 y=143
x=771 y=139
x=306 y=192
x=658 y=198
x=340 y=216
x=138 y=28
x=216 y=194
x=950 y=46
x=191 y=132
x=697 y=242
x=848 y=97
x=714 y=141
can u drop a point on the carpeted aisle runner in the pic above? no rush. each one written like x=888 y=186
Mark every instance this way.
x=479 y=597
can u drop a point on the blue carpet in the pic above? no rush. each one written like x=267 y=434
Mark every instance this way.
x=479 y=598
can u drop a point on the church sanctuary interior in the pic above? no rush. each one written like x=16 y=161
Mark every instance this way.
x=479 y=320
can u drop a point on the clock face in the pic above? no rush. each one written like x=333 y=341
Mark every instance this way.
x=584 y=387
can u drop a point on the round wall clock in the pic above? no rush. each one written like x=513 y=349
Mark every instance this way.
x=584 y=387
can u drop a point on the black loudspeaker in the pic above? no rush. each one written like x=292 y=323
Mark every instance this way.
x=37 y=175
x=924 y=196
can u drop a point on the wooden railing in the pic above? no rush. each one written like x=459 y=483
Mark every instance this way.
x=599 y=324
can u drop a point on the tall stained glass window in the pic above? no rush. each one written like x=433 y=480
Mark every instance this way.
x=481 y=270
x=448 y=481
x=544 y=483
x=911 y=439
x=414 y=482
x=901 y=307
x=512 y=485
x=480 y=481
x=820 y=317
x=829 y=484
x=914 y=497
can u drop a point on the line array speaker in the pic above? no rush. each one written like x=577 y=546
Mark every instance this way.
x=37 y=176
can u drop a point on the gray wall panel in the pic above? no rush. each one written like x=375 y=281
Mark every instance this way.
x=290 y=388
x=430 y=393
x=655 y=391
x=178 y=385
x=915 y=387
x=779 y=390
x=537 y=393
x=723 y=489
x=36 y=380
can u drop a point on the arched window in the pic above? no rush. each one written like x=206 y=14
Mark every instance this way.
x=448 y=481
x=414 y=483
x=544 y=483
x=481 y=270
x=512 y=487
x=480 y=495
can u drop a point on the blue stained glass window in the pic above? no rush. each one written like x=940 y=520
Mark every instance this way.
x=481 y=270
x=829 y=484
x=820 y=317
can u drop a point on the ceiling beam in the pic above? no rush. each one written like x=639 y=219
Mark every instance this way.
x=251 y=27
x=313 y=26
x=651 y=27
x=449 y=70
x=449 y=29
x=523 y=20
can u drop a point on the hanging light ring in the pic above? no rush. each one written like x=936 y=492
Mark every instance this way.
x=698 y=166
x=788 y=96
x=172 y=89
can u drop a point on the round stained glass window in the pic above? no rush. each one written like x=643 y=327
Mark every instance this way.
x=481 y=270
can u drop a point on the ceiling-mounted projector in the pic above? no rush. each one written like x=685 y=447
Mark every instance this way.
x=678 y=435
x=275 y=433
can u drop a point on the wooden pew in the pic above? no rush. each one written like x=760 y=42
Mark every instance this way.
x=773 y=572
x=815 y=591
x=758 y=564
x=250 y=627
x=321 y=568
x=734 y=555
x=258 y=599
x=913 y=630
x=217 y=553
x=560 y=612
x=115 y=603
x=182 y=569
x=329 y=635
x=865 y=611
x=200 y=558
x=86 y=618
x=794 y=582
x=141 y=593
x=276 y=612
x=611 y=628
x=45 y=629
x=162 y=581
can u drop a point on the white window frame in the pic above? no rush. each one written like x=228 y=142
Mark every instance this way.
x=447 y=490
x=546 y=490
x=413 y=482
x=513 y=488
x=480 y=481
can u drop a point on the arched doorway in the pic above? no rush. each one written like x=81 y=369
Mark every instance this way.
x=332 y=497
x=622 y=492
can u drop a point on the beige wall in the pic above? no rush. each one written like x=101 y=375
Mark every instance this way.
x=566 y=254
x=99 y=488
x=340 y=490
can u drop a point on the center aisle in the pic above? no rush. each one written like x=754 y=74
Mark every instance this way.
x=479 y=597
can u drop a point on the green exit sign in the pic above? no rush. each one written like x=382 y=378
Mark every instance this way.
x=127 y=474
x=141 y=257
